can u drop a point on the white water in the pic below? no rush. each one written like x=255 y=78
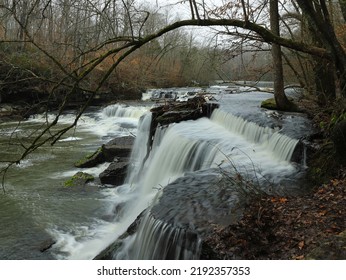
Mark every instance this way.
x=199 y=145
x=158 y=240
x=222 y=141
x=281 y=146
x=85 y=241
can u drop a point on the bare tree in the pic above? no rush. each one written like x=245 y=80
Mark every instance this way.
x=90 y=40
x=279 y=88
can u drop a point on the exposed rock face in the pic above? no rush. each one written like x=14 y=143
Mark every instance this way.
x=192 y=109
x=80 y=179
x=118 y=147
x=115 y=174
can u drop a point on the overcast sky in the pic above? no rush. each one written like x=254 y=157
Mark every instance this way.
x=181 y=7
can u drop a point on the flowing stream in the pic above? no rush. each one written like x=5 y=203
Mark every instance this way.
x=239 y=137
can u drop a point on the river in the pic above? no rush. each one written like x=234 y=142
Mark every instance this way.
x=37 y=207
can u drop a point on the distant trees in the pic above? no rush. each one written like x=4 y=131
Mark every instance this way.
x=90 y=46
x=74 y=38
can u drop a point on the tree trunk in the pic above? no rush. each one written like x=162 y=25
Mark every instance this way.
x=323 y=70
x=281 y=100
x=319 y=20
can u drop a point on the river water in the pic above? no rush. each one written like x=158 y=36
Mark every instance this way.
x=37 y=207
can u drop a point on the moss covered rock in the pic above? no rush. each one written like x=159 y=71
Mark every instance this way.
x=270 y=104
x=80 y=179
x=91 y=160
x=118 y=147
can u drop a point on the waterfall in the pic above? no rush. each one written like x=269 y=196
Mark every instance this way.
x=192 y=146
x=140 y=148
x=280 y=145
x=156 y=239
x=173 y=156
x=124 y=111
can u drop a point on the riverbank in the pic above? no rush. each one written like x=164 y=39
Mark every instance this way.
x=304 y=227
x=311 y=226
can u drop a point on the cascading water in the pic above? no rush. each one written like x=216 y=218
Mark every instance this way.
x=244 y=148
x=159 y=240
x=182 y=172
x=124 y=111
x=280 y=145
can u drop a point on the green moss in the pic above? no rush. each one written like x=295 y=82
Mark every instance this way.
x=80 y=178
x=87 y=158
x=269 y=104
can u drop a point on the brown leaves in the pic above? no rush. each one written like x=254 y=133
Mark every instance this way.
x=278 y=199
x=288 y=228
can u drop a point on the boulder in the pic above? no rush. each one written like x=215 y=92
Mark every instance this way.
x=118 y=147
x=193 y=109
x=80 y=179
x=46 y=244
x=115 y=174
x=91 y=160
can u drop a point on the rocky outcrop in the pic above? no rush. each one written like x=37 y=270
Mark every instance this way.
x=192 y=109
x=118 y=147
x=116 y=151
x=116 y=172
x=80 y=179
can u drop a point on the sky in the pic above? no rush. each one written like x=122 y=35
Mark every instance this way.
x=181 y=7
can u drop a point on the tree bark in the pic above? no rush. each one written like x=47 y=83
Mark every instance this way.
x=319 y=19
x=281 y=100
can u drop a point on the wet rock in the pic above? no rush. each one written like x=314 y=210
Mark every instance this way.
x=110 y=251
x=192 y=201
x=91 y=160
x=192 y=109
x=115 y=174
x=80 y=179
x=118 y=147
x=46 y=245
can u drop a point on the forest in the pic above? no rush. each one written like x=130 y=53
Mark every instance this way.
x=92 y=46
x=63 y=54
